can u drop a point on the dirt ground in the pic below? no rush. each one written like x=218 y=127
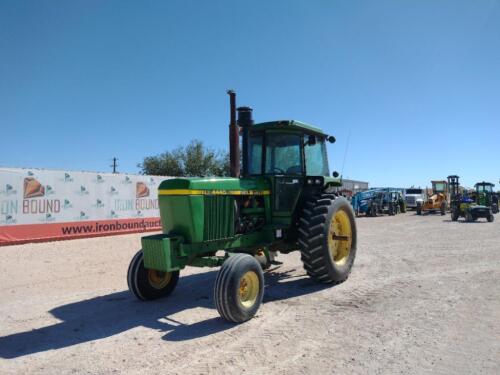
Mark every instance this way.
x=423 y=297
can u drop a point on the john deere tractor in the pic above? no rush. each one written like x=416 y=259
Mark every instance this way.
x=463 y=205
x=485 y=195
x=282 y=200
x=437 y=201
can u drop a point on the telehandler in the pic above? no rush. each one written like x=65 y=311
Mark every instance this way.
x=282 y=200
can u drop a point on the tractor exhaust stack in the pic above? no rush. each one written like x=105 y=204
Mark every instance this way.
x=234 y=138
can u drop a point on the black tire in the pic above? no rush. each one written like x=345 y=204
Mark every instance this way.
x=443 y=208
x=229 y=301
x=317 y=243
x=147 y=284
x=403 y=207
x=454 y=214
x=373 y=210
x=490 y=218
x=419 y=208
x=468 y=217
x=494 y=208
x=391 y=209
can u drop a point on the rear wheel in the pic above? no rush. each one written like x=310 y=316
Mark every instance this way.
x=327 y=238
x=239 y=288
x=149 y=284
x=490 y=217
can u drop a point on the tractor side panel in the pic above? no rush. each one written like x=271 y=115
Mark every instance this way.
x=183 y=215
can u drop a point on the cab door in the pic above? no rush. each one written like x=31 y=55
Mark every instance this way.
x=283 y=163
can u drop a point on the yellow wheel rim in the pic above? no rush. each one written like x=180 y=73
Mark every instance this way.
x=340 y=237
x=159 y=279
x=249 y=289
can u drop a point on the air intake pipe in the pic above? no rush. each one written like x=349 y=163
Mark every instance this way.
x=245 y=121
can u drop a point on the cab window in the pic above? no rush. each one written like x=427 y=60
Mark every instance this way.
x=255 y=154
x=283 y=154
x=316 y=159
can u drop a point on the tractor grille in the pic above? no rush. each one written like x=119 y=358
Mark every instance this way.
x=219 y=217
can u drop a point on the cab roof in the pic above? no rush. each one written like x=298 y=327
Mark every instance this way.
x=289 y=125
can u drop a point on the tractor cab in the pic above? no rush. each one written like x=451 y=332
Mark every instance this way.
x=292 y=156
x=484 y=187
x=485 y=195
x=439 y=187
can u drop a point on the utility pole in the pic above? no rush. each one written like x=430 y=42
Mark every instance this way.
x=114 y=165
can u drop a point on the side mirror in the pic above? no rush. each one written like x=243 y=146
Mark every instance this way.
x=311 y=140
x=331 y=139
x=335 y=174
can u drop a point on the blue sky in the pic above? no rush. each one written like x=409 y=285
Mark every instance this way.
x=415 y=83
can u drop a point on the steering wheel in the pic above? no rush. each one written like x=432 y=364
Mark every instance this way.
x=279 y=170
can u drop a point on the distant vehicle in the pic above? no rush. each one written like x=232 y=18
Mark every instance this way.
x=414 y=196
x=378 y=201
x=466 y=205
x=485 y=196
x=364 y=202
x=437 y=201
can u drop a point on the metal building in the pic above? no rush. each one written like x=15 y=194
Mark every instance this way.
x=351 y=187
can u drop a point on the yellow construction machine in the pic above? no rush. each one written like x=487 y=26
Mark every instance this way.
x=437 y=201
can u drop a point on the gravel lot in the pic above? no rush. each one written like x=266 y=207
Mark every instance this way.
x=423 y=297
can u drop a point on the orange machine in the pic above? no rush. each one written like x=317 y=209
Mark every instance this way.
x=437 y=200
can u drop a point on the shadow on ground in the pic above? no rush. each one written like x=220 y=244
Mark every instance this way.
x=115 y=313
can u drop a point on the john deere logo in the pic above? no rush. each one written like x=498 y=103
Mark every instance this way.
x=141 y=190
x=32 y=188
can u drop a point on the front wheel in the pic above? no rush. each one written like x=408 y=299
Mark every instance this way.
x=148 y=284
x=327 y=238
x=239 y=288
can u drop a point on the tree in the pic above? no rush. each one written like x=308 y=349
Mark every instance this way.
x=193 y=160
